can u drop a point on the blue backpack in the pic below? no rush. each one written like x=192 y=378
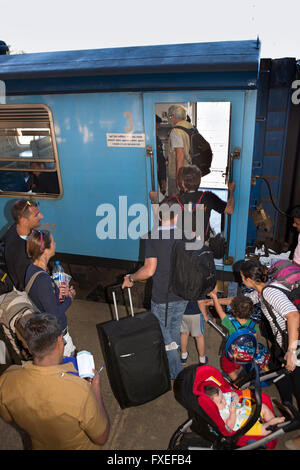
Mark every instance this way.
x=241 y=345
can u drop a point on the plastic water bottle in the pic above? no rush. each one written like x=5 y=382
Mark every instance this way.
x=58 y=273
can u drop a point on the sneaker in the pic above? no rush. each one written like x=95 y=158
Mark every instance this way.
x=183 y=361
x=204 y=363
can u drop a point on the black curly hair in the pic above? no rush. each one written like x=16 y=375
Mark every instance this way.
x=254 y=270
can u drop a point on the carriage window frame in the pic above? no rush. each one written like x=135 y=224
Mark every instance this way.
x=31 y=118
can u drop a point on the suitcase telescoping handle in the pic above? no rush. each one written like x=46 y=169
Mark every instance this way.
x=114 y=288
x=211 y=323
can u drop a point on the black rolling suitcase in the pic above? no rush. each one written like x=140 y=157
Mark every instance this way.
x=134 y=353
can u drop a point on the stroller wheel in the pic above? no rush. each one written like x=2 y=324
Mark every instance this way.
x=183 y=438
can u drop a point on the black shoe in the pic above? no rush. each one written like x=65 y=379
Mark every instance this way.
x=204 y=363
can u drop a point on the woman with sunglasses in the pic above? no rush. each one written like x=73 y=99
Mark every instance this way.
x=44 y=293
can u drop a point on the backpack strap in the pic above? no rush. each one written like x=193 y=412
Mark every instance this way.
x=169 y=281
x=180 y=203
x=32 y=279
x=278 y=288
x=199 y=200
x=236 y=324
x=189 y=131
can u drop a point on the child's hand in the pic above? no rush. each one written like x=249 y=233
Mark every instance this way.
x=205 y=316
x=214 y=292
x=234 y=398
x=202 y=305
x=232 y=409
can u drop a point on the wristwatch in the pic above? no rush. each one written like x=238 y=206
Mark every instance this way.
x=292 y=351
x=130 y=278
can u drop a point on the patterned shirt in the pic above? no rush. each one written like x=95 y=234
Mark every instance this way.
x=280 y=304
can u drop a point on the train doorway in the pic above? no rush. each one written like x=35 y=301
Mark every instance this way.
x=212 y=119
x=226 y=119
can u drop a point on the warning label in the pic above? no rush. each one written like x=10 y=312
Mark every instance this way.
x=125 y=140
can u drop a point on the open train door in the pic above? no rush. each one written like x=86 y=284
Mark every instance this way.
x=238 y=126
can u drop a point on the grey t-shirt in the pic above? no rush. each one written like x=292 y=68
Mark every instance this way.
x=176 y=139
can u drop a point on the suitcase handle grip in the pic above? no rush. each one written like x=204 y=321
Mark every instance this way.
x=114 y=288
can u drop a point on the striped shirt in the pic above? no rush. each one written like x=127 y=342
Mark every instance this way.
x=281 y=306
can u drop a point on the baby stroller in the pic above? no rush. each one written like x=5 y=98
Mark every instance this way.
x=205 y=429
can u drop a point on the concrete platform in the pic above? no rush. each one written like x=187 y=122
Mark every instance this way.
x=146 y=427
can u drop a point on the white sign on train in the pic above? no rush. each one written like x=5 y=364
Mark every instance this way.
x=125 y=140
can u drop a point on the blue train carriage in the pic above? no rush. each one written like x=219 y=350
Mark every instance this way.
x=275 y=187
x=83 y=123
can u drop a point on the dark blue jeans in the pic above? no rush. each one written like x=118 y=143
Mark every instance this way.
x=171 y=332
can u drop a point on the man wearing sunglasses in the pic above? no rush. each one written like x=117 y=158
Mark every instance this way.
x=27 y=216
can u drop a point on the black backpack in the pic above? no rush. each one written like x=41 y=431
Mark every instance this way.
x=200 y=150
x=217 y=243
x=6 y=284
x=192 y=272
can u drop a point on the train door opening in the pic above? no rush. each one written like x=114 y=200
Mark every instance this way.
x=212 y=119
x=231 y=136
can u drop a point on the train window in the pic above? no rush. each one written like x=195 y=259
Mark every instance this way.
x=28 y=154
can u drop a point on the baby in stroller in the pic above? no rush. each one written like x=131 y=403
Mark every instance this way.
x=205 y=427
x=235 y=413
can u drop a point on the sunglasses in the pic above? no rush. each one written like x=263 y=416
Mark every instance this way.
x=42 y=237
x=27 y=205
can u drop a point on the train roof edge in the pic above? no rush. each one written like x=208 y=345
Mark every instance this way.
x=227 y=56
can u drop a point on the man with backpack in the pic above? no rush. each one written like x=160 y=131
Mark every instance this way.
x=189 y=201
x=14 y=260
x=27 y=217
x=158 y=249
x=191 y=198
x=186 y=147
